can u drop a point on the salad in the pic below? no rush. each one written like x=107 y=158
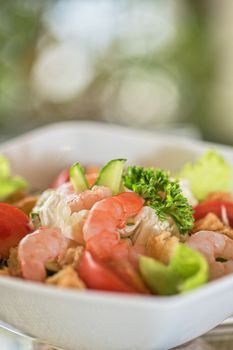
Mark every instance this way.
x=120 y=228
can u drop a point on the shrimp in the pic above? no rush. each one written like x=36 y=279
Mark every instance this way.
x=87 y=198
x=37 y=248
x=214 y=246
x=111 y=213
x=100 y=230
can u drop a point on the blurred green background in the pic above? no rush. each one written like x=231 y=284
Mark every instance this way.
x=147 y=64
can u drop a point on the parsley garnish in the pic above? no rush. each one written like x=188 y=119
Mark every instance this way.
x=162 y=194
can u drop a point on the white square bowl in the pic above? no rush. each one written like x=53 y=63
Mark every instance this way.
x=77 y=320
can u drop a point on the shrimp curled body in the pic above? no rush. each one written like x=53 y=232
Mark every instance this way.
x=85 y=199
x=215 y=247
x=37 y=248
x=111 y=213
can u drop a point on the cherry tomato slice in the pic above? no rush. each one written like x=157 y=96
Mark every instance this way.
x=14 y=225
x=216 y=208
x=99 y=276
x=125 y=270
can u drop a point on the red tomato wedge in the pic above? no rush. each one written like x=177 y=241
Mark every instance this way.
x=215 y=207
x=135 y=252
x=99 y=276
x=14 y=225
x=125 y=270
x=63 y=177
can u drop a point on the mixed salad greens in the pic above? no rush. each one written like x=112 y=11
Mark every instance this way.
x=117 y=228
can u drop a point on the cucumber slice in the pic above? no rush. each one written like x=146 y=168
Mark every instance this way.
x=78 y=178
x=111 y=175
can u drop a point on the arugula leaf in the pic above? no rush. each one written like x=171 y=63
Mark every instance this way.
x=160 y=193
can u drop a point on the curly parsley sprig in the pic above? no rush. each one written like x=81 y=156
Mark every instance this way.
x=161 y=193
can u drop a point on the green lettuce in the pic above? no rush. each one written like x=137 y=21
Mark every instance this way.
x=8 y=183
x=39 y=207
x=188 y=269
x=210 y=173
x=191 y=266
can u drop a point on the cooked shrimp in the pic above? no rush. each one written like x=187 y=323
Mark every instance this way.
x=214 y=246
x=212 y=223
x=111 y=213
x=86 y=199
x=38 y=247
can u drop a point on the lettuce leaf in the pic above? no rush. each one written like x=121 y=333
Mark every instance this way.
x=187 y=270
x=210 y=173
x=160 y=279
x=191 y=266
x=8 y=183
x=4 y=168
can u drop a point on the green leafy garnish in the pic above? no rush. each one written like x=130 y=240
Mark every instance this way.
x=8 y=183
x=162 y=194
x=210 y=173
x=187 y=270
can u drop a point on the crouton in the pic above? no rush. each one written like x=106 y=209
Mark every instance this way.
x=161 y=247
x=212 y=223
x=66 y=278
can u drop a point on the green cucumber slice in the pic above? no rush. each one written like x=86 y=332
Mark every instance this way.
x=111 y=175
x=78 y=178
